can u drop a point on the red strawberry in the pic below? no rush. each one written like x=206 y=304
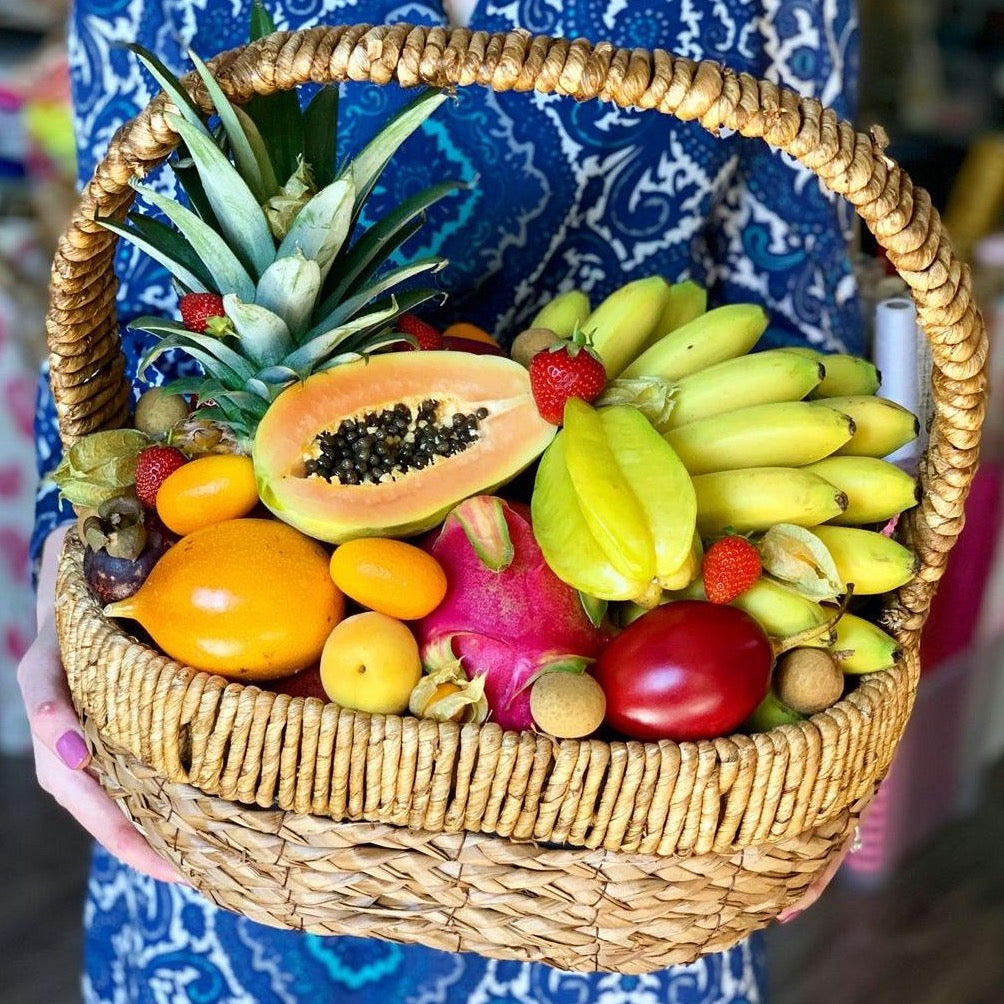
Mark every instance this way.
x=567 y=369
x=152 y=466
x=197 y=309
x=731 y=566
x=427 y=336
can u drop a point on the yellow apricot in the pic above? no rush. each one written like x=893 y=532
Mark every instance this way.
x=371 y=662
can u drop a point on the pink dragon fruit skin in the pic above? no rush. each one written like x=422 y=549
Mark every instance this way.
x=505 y=614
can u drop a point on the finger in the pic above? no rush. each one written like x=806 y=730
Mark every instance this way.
x=50 y=712
x=816 y=889
x=84 y=798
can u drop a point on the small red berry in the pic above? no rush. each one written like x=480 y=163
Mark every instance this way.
x=731 y=566
x=567 y=369
x=153 y=466
x=425 y=334
x=198 y=309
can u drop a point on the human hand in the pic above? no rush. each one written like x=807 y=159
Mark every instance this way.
x=61 y=756
x=816 y=889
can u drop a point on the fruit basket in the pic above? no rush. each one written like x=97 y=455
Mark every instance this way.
x=586 y=854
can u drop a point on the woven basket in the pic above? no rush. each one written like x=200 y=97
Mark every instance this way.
x=587 y=855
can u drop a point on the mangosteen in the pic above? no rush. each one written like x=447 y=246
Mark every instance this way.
x=122 y=542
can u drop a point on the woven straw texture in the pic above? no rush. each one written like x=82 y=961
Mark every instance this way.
x=618 y=856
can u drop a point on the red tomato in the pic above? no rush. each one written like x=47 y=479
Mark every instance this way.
x=685 y=671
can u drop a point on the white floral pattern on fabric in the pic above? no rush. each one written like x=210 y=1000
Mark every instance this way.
x=567 y=195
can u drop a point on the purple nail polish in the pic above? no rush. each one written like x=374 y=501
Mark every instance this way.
x=72 y=750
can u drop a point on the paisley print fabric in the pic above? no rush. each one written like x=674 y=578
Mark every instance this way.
x=561 y=194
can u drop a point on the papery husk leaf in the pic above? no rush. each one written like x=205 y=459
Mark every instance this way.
x=654 y=397
x=797 y=557
x=99 y=466
x=469 y=700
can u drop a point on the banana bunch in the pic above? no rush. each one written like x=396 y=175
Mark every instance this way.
x=785 y=436
x=613 y=509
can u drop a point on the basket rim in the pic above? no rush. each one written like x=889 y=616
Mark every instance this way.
x=246 y=743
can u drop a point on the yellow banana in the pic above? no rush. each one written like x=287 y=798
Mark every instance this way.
x=625 y=321
x=870 y=561
x=565 y=540
x=659 y=481
x=780 y=611
x=755 y=498
x=719 y=334
x=863 y=647
x=755 y=378
x=881 y=426
x=563 y=313
x=611 y=510
x=846 y=375
x=780 y=434
x=876 y=490
x=686 y=301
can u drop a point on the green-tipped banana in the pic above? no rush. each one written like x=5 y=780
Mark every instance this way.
x=755 y=498
x=563 y=313
x=863 y=647
x=881 y=426
x=771 y=713
x=866 y=560
x=625 y=321
x=612 y=511
x=782 y=434
x=782 y=612
x=876 y=490
x=565 y=540
x=720 y=334
x=755 y=378
x=660 y=483
x=846 y=375
x=686 y=301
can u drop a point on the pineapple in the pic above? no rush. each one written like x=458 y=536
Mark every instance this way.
x=297 y=296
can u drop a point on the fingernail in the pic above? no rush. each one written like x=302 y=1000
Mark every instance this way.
x=789 y=917
x=72 y=750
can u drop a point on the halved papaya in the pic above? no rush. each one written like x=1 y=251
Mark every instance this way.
x=388 y=445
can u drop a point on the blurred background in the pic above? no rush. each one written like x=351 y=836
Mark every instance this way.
x=917 y=914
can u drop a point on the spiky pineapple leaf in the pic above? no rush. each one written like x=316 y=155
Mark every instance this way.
x=187 y=175
x=311 y=354
x=280 y=376
x=240 y=216
x=289 y=288
x=379 y=241
x=264 y=335
x=229 y=275
x=226 y=363
x=171 y=86
x=320 y=134
x=209 y=363
x=157 y=232
x=184 y=275
x=369 y=163
x=277 y=115
x=349 y=307
x=250 y=157
x=322 y=226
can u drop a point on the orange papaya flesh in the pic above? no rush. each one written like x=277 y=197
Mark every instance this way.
x=510 y=435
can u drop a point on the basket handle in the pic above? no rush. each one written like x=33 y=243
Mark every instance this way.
x=86 y=362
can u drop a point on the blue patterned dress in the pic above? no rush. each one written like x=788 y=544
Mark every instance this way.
x=566 y=194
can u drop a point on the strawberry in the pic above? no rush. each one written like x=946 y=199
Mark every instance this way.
x=567 y=369
x=731 y=566
x=198 y=309
x=153 y=465
x=427 y=336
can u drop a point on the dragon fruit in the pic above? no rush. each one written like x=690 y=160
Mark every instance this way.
x=505 y=615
